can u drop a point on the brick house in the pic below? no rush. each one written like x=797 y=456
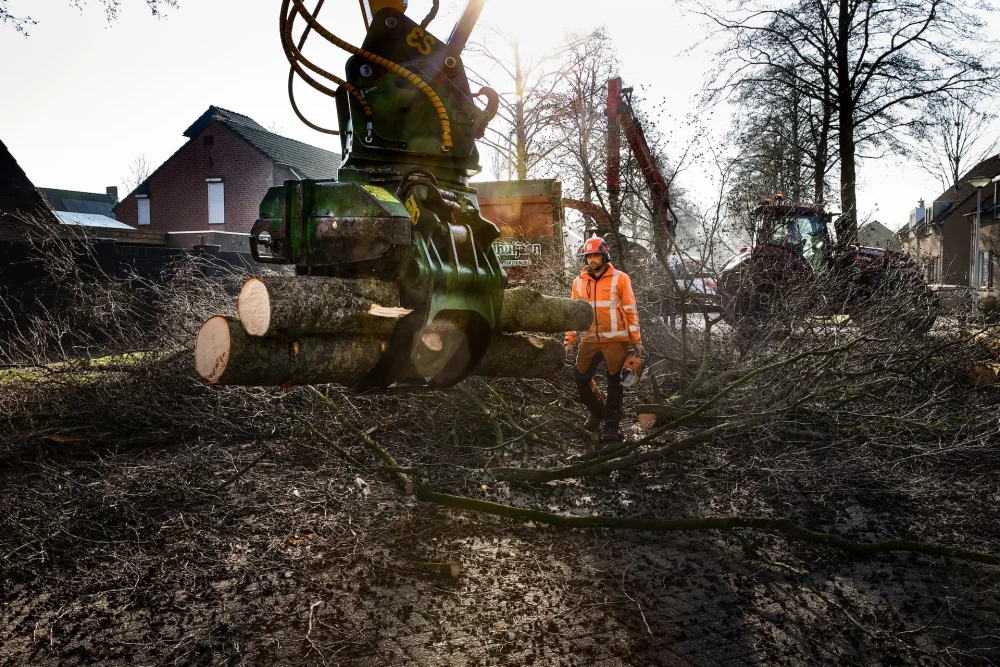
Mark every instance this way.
x=217 y=179
x=943 y=239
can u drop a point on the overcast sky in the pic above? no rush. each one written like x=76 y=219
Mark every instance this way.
x=82 y=97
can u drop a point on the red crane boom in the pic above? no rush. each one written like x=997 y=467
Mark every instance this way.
x=621 y=115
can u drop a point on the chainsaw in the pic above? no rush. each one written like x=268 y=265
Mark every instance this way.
x=632 y=371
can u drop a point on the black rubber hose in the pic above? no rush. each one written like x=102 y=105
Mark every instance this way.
x=430 y=15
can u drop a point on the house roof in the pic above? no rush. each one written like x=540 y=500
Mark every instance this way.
x=990 y=167
x=79 y=202
x=225 y=115
x=90 y=220
x=874 y=233
x=307 y=161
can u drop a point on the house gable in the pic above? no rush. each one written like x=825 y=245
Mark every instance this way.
x=178 y=191
x=232 y=147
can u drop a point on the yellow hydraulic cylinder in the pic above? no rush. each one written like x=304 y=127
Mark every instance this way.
x=370 y=8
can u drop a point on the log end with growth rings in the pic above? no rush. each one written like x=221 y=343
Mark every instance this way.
x=211 y=355
x=254 y=307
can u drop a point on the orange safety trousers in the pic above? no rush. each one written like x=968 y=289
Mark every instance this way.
x=588 y=358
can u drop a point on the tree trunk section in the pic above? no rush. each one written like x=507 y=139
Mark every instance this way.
x=291 y=307
x=520 y=130
x=847 y=226
x=522 y=356
x=304 y=305
x=526 y=309
x=225 y=354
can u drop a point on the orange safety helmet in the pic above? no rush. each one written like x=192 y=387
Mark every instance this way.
x=595 y=246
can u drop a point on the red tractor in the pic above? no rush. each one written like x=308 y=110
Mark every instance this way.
x=794 y=270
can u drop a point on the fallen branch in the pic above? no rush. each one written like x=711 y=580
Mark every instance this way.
x=614 y=460
x=390 y=463
x=334 y=446
x=723 y=523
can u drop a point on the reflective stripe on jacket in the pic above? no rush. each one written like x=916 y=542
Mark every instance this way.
x=615 y=315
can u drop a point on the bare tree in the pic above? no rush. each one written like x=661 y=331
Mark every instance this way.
x=782 y=138
x=528 y=109
x=957 y=136
x=580 y=131
x=882 y=64
x=139 y=170
x=112 y=9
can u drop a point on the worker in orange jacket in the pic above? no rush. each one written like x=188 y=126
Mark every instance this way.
x=614 y=331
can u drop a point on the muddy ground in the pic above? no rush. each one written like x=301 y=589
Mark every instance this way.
x=150 y=548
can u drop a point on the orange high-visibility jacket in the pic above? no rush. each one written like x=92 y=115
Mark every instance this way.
x=616 y=318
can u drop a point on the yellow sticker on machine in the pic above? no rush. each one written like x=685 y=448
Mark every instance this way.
x=413 y=209
x=380 y=193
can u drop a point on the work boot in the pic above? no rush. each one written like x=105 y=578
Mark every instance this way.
x=593 y=423
x=611 y=432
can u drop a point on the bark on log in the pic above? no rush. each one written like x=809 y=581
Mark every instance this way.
x=225 y=354
x=309 y=305
x=529 y=310
x=511 y=355
x=304 y=305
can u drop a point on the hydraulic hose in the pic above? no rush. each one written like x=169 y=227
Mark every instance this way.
x=291 y=79
x=431 y=14
x=295 y=57
x=399 y=70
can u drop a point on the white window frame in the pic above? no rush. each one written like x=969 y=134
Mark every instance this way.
x=142 y=200
x=221 y=218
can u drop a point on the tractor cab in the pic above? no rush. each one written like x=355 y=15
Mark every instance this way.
x=802 y=230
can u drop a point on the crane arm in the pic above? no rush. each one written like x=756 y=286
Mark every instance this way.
x=622 y=116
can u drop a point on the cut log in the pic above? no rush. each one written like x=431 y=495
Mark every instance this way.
x=526 y=309
x=647 y=421
x=984 y=374
x=511 y=355
x=225 y=354
x=989 y=340
x=305 y=305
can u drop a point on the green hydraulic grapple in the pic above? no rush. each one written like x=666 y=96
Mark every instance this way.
x=401 y=207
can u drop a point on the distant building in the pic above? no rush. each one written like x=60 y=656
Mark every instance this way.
x=943 y=238
x=87 y=209
x=217 y=179
x=19 y=198
x=876 y=235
